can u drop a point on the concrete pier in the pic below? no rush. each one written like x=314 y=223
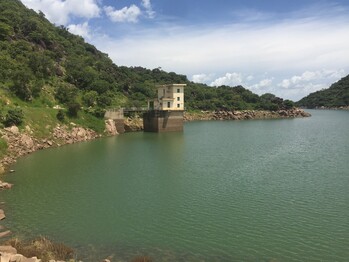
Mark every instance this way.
x=163 y=121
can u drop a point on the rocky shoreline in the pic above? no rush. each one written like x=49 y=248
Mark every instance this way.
x=22 y=142
x=245 y=114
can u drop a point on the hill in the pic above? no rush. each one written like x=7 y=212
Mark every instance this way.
x=336 y=96
x=44 y=66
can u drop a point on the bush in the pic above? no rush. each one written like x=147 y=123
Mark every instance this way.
x=14 y=117
x=73 y=109
x=60 y=115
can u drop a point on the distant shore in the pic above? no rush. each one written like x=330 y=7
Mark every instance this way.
x=245 y=114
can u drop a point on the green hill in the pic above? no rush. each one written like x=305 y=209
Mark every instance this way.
x=334 y=97
x=44 y=66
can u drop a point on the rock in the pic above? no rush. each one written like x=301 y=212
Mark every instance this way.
x=5 y=233
x=50 y=143
x=2 y=214
x=27 y=141
x=110 y=127
x=19 y=258
x=8 y=249
x=13 y=129
x=28 y=129
x=5 y=185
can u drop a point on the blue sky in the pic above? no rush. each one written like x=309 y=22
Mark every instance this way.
x=289 y=48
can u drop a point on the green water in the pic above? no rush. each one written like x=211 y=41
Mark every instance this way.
x=220 y=191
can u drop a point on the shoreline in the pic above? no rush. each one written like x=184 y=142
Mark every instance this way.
x=245 y=114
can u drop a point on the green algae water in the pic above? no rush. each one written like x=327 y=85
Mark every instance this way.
x=259 y=190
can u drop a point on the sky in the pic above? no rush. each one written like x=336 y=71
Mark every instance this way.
x=288 y=48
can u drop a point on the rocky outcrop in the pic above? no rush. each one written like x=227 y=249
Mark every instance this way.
x=133 y=124
x=245 y=114
x=9 y=254
x=23 y=142
x=110 y=127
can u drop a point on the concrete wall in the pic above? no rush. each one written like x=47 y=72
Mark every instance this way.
x=114 y=114
x=163 y=121
x=117 y=115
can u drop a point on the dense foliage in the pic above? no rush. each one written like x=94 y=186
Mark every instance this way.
x=334 y=97
x=42 y=65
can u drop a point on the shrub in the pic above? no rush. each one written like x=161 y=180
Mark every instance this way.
x=60 y=115
x=73 y=109
x=14 y=117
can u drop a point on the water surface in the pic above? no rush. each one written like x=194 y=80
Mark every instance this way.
x=257 y=190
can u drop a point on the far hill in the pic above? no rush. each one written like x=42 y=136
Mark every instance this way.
x=334 y=97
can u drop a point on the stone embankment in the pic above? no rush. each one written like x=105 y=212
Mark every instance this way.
x=245 y=114
x=23 y=142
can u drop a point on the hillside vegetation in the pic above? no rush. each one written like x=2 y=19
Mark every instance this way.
x=43 y=66
x=334 y=97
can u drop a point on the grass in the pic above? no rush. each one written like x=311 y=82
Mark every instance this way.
x=89 y=121
x=41 y=120
x=3 y=147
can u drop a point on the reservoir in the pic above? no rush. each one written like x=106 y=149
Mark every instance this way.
x=254 y=190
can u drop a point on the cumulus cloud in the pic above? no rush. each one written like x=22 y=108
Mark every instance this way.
x=201 y=78
x=229 y=79
x=299 y=81
x=60 y=12
x=80 y=29
x=263 y=85
x=126 y=14
x=148 y=8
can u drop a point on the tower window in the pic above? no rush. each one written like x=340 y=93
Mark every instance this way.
x=168 y=104
x=178 y=90
x=178 y=105
x=178 y=99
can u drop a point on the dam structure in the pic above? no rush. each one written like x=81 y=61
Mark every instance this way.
x=166 y=112
x=163 y=114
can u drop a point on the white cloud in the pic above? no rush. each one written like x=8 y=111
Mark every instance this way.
x=201 y=78
x=299 y=81
x=148 y=8
x=60 y=12
x=80 y=29
x=263 y=85
x=229 y=79
x=126 y=14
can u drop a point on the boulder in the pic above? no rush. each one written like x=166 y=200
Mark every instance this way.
x=27 y=141
x=5 y=233
x=110 y=127
x=8 y=249
x=13 y=129
x=2 y=214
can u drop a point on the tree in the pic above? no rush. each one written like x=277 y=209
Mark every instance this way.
x=90 y=98
x=21 y=84
x=66 y=93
